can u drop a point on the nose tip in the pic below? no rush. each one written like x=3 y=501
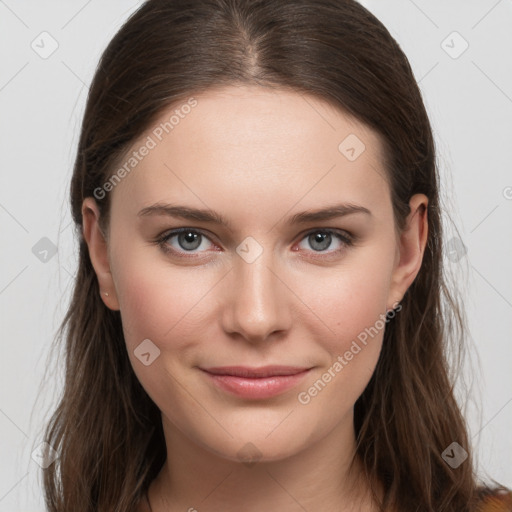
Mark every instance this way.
x=255 y=307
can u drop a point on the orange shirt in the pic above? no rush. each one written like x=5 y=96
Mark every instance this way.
x=496 y=501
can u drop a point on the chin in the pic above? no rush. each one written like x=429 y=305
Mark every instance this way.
x=250 y=451
x=255 y=441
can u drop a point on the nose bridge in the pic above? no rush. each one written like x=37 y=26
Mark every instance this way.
x=257 y=305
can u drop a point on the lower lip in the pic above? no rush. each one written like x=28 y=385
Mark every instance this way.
x=256 y=388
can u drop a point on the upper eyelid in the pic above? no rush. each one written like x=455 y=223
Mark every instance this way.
x=176 y=231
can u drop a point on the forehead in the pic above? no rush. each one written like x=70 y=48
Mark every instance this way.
x=256 y=147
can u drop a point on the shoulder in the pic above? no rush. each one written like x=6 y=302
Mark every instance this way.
x=495 y=500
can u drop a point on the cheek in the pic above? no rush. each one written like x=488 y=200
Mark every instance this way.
x=159 y=301
x=351 y=304
x=167 y=314
x=348 y=299
x=164 y=305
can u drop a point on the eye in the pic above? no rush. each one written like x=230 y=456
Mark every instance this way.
x=187 y=241
x=321 y=239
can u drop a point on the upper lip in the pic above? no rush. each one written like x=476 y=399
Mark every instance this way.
x=260 y=372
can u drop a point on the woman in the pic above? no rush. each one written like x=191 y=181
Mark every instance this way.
x=260 y=317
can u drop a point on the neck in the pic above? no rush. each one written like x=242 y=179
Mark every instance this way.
x=325 y=476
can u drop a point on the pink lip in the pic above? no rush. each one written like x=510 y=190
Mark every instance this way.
x=256 y=383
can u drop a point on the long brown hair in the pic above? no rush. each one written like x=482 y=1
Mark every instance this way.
x=106 y=429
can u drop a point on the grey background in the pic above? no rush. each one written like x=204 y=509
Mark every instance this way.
x=469 y=99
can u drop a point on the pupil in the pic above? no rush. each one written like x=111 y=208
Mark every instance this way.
x=323 y=239
x=190 y=237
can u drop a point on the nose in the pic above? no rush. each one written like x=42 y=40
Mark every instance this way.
x=257 y=300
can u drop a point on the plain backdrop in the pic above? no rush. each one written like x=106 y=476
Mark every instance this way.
x=460 y=52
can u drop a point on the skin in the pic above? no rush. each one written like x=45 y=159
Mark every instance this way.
x=256 y=156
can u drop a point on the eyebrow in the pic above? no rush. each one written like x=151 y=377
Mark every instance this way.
x=202 y=215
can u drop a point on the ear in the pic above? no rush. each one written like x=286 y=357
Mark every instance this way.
x=98 y=252
x=411 y=247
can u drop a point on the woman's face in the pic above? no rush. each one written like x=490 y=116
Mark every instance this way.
x=277 y=285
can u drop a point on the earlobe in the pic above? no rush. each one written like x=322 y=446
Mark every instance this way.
x=98 y=252
x=411 y=248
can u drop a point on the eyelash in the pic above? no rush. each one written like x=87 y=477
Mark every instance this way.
x=346 y=238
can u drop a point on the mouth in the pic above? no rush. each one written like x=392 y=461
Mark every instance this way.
x=255 y=383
